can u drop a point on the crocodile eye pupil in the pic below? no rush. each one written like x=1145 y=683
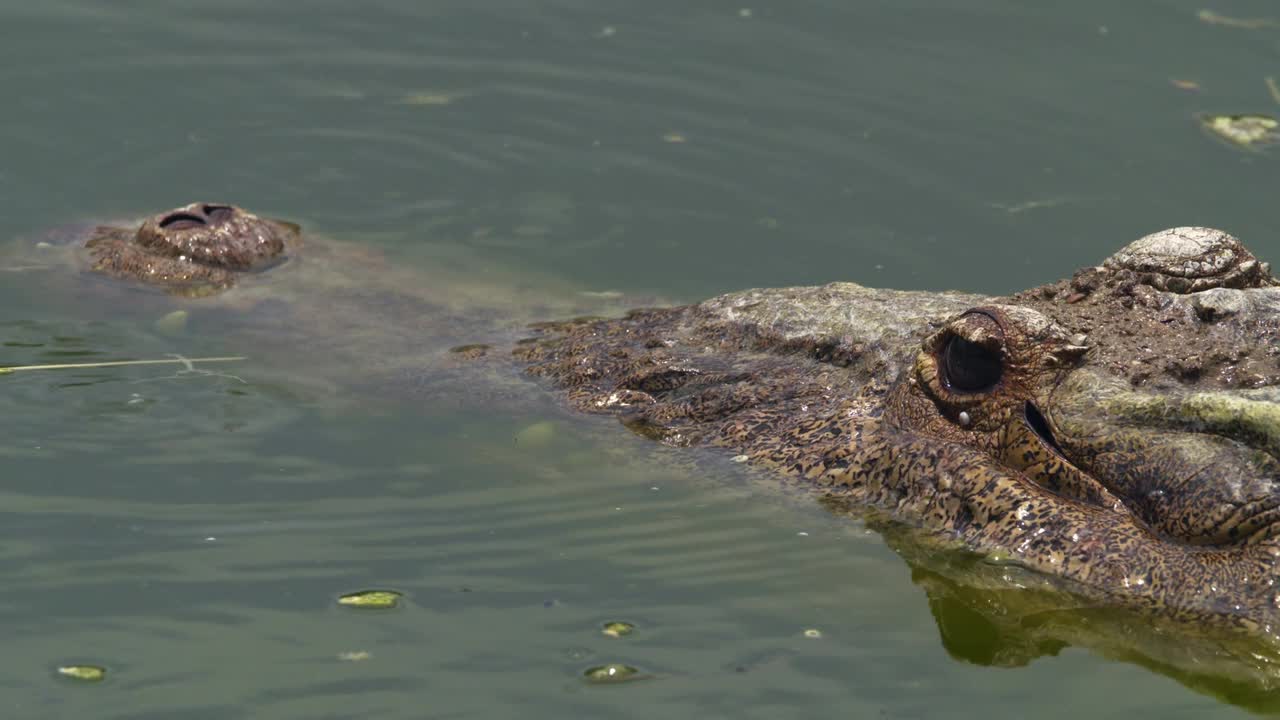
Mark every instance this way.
x=969 y=367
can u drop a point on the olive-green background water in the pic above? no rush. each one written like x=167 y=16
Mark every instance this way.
x=192 y=532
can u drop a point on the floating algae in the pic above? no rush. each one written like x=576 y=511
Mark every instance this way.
x=617 y=629
x=1210 y=17
x=1246 y=131
x=371 y=599
x=609 y=674
x=83 y=673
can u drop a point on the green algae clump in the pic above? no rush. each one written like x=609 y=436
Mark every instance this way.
x=1246 y=131
x=371 y=599
x=609 y=674
x=617 y=629
x=83 y=673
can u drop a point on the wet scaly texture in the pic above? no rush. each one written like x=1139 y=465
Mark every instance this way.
x=369 y=325
x=198 y=249
x=1101 y=431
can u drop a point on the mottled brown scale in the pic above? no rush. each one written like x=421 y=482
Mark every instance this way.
x=1008 y=425
x=1114 y=434
x=198 y=249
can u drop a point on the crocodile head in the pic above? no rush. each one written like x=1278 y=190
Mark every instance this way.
x=198 y=249
x=1116 y=434
x=1142 y=396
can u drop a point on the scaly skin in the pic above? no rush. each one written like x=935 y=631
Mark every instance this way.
x=1108 y=432
x=1113 y=438
x=370 y=328
x=199 y=249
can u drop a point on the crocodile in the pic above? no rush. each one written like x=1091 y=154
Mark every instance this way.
x=1116 y=433
x=371 y=324
x=199 y=249
x=1105 y=442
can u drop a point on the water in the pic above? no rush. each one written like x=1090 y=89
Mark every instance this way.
x=191 y=532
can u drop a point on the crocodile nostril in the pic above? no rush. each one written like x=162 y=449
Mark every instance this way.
x=217 y=213
x=182 y=221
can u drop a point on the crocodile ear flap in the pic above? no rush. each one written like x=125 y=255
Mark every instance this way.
x=1067 y=354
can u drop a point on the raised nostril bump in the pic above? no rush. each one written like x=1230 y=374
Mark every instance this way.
x=217 y=213
x=182 y=221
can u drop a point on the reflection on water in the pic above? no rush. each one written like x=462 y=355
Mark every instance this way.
x=994 y=614
x=193 y=533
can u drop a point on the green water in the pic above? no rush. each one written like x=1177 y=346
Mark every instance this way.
x=191 y=532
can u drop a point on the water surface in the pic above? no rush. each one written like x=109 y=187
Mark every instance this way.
x=192 y=531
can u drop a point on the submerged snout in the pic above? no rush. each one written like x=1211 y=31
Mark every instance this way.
x=1199 y=467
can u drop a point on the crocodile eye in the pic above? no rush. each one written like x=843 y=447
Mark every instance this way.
x=968 y=367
